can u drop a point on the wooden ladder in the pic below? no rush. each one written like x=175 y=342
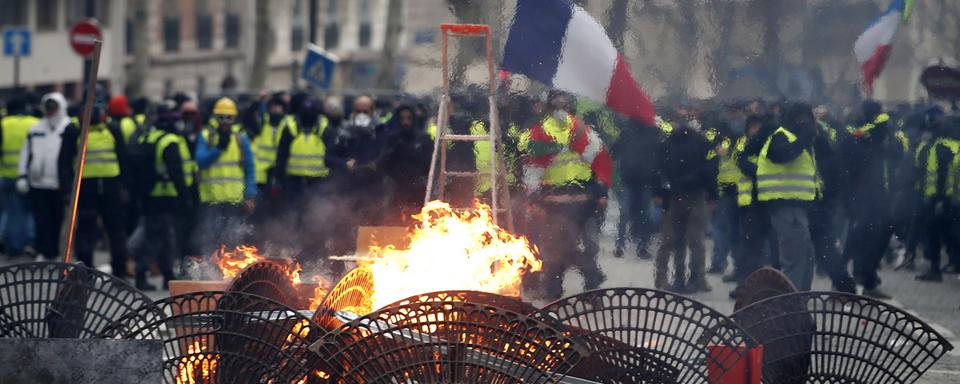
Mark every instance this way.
x=499 y=188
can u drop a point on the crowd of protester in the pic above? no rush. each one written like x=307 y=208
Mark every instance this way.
x=801 y=188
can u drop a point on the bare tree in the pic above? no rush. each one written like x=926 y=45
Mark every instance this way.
x=617 y=22
x=387 y=77
x=141 y=49
x=261 y=46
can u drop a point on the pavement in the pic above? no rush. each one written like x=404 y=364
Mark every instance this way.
x=935 y=303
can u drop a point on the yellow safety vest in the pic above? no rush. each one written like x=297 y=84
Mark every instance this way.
x=481 y=155
x=306 y=154
x=796 y=180
x=865 y=129
x=164 y=186
x=665 y=127
x=567 y=166
x=727 y=173
x=140 y=118
x=222 y=181
x=14 y=134
x=265 y=145
x=127 y=127
x=745 y=186
x=930 y=184
x=101 y=160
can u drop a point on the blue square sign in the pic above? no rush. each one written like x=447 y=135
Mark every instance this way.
x=16 y=41
x=318 y=67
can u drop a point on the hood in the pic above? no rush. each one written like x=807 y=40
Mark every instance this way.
x=60 y=120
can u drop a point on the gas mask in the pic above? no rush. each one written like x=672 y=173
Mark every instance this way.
x=275 y=118
x=361 y=120
x=560 y=116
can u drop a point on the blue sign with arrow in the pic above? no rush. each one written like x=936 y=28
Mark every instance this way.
x=318 y=67
x=16 y=41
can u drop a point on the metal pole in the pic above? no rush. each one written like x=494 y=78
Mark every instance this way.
x=89 y=99
x=312 y=20
x=16 y=70
x=89 y=10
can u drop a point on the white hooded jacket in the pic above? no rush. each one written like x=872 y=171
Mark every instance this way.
x=41 y=151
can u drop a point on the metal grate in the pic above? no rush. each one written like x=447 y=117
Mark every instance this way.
x=650 y=336
x=830 y=337
x=447 y=342
x=267 y=278
x=225 y=337
x=476 y=297
x=762 y=284
x=353 y=293
x=50 y=299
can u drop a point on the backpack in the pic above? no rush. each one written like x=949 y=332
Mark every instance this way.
x=142 y=154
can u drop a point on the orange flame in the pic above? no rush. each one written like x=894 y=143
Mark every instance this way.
x=232 y=262
x=319 y=293
x=196 y=367
x=452 y=249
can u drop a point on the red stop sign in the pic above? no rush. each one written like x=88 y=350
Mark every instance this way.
x=82 y=36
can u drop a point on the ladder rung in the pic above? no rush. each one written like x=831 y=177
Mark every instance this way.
x=464 y=174
x=466 y=137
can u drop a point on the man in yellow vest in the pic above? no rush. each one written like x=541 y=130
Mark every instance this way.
x=168 y=196
x=939 y=187
x=274 y=124
x=101 y=187
x=725 y=216
x=567 y=174
x=227 y=180
x=787 y=184
x=18 y=229
x=119 y=111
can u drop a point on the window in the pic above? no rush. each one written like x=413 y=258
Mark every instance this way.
x=171 y=26
x=204 y=27
x=297 y=28
x=331 y=27
x=14 y=13
x=47 y=12
x=77 y=11
x=365 y=21
x=231 y=29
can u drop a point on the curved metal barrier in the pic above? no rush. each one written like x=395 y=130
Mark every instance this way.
x=650 y=336
x=58 y=300
x=831 y=337
x=447 y=342
x=226 y=337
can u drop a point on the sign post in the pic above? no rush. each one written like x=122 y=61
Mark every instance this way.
x=16 y=43
x=83 y=37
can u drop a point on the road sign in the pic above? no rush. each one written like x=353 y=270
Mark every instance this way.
x=82 y=36
x=16 y=41
x=318 y=67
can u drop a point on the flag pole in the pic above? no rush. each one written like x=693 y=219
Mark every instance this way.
x=89 y=97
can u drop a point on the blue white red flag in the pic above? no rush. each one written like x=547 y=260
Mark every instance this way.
x=872 y=48
x=558 y=43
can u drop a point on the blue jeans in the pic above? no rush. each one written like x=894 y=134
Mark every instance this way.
x=16 y=222
x=726 y=229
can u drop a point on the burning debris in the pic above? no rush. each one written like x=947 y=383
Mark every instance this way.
x=451 y=249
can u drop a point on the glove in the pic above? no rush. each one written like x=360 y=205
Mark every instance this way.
x=224 y=140
x=23 y=186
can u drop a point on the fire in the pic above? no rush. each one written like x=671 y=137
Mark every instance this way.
x=318 y=294
x=232 y=262
x=451 y=249
x=196 y=367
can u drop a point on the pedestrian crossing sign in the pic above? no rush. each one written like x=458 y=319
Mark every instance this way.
x=318 y=67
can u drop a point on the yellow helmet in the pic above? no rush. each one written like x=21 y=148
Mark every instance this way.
x=225 y=106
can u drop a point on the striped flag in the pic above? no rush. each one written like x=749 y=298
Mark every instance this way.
x=558 y=43
x=872 y=48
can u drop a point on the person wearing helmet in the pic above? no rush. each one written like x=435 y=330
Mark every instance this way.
x=101 y=187
x=168 y=194
x=227 y=179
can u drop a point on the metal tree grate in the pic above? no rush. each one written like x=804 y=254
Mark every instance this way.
x=353 y=293
x=267 y=278
x=447 y=342
x=830 y=337
x=476 y=297
x=649 y=336
x=226 y=337
x=58 y=300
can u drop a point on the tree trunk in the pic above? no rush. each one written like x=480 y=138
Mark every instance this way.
x=387 y=77
x=466 y=12
x=141 y=50
x=617 y=23
x=261 y=46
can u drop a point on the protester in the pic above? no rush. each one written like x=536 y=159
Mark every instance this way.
x=16 y=222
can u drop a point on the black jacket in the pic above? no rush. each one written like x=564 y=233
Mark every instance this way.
x=684 y=166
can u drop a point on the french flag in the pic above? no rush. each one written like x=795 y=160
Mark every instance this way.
x=872 y=48
x=557 y=43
